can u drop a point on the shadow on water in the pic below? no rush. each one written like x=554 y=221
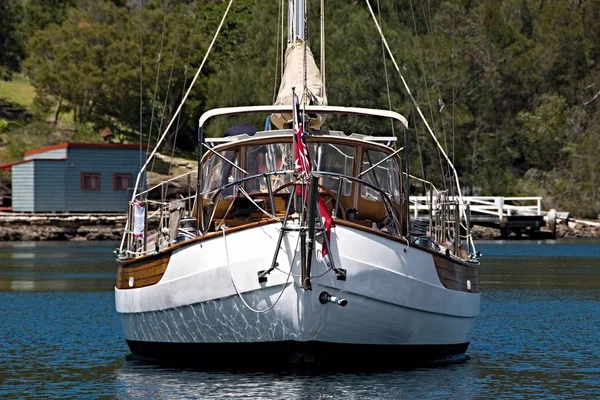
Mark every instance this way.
x=300 y=368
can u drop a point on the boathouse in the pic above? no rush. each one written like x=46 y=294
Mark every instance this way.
x=75 y=177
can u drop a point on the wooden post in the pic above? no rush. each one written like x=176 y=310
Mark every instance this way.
x=442 y=238
x=189 y=196
x=416 y=213
x=431 y=215
x=130 y=228
x=456 y=228
x=162 y=204
x=468 y=222
x=145 y=226
x=500 y=203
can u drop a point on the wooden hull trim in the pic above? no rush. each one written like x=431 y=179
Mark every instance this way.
x=454 y=274
x=143 y=273
x=208 y=236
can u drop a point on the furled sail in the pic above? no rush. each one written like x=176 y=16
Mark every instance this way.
x=293 y=77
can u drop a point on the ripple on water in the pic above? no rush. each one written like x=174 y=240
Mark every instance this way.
x=536 y=337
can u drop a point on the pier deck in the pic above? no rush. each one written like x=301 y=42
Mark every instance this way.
x=512 y=216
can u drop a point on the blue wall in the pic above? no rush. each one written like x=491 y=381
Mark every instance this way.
x=49 y=185
x=22 y=187
x=106 y=162
x=44 y=185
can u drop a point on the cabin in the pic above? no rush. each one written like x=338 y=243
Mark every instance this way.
x=75 y=177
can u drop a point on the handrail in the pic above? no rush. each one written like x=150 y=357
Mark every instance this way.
x=488 y=205
x=308 y=109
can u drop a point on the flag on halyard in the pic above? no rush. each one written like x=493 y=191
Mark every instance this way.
x=301 y=158
x=303 y=167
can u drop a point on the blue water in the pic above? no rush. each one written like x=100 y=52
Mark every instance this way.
x=537 y=335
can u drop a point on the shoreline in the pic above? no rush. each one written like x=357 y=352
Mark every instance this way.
x=61 y=227
x=564 y=229
x=99 y=227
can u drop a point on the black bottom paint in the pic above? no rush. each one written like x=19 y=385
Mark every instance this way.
x=321 y=355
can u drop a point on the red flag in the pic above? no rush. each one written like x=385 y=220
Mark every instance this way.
x=303 y=167
x=301 y=157
x=327 y=222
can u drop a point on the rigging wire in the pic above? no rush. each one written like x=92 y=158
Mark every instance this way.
x=387 y=82
x=162 y=117
x=277 y=53
x=305 y=98
x=323 y=86
x=283 y=40
x=422 y=64
x=414 y=117
x=429 y=27
x=141 y=81
x=158 y=61
x=414 y=101
x=187 y=93
x=452 y=56
x=185 y=75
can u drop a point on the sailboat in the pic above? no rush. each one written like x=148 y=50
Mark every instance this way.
x=298 y=245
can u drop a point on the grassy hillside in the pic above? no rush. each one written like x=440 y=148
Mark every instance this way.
x=18 y=91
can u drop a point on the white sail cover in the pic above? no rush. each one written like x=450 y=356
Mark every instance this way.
x=293 y=77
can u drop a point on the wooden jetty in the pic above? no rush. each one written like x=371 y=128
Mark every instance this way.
x=514 y=217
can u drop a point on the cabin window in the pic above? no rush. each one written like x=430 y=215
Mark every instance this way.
x=337 y=158
x=385 y=176
x=218 y=172
x=122 y=181
x=269 y=158
x=90 y=181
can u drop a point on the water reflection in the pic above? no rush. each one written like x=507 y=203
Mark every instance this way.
x=536 y=337
x=57 y=266
x=139 y=380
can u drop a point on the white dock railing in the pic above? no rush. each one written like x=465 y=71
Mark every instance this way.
x=486 y=205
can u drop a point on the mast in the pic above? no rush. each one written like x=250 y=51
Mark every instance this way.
x=300 y=69
x=296 y=10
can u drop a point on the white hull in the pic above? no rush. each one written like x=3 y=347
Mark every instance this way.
x=395 y=297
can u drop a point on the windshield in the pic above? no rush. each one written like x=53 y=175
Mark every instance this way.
x=337 y=158
x=218 y=172
x=269 y=158
x=385 y=176
x=327 y=157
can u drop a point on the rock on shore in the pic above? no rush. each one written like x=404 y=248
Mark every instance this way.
x=36 y=227
x=564 y=229
x=18 y=227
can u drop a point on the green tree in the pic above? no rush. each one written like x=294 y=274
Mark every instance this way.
x=39 y=14
x=11 y=40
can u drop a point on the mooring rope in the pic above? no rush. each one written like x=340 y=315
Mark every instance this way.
x=285 y=285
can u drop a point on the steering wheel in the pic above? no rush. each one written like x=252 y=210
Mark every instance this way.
x=332 y=195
